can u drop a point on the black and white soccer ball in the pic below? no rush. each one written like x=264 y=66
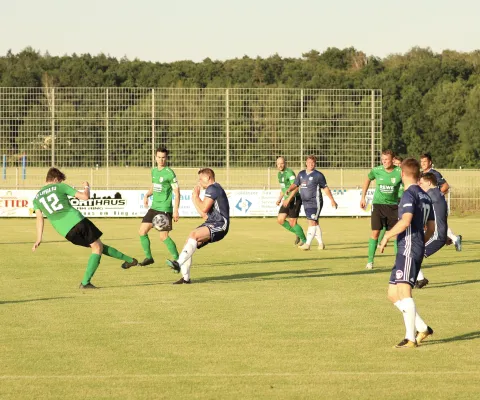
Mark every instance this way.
x=160 y=222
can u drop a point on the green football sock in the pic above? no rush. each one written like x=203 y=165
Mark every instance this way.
x=287 y=226
x=372 y=248
x=299 y=231
x=112 y=252
x=382 y=234
x=395 y=247
x=172 y=247
x=145 y=242
x=93 y=263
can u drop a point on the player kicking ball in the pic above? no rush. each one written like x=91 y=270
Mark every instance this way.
x=52 y=201
x=414 y=212
x=215 y=210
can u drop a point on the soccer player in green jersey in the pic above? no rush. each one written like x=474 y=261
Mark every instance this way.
x=291 y=203
x=385 y=200
x=53 y=202
x=164 y=185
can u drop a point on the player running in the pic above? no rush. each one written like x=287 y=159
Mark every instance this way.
x=291 y=203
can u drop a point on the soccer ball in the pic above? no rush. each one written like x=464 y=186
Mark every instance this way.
x=160 y=222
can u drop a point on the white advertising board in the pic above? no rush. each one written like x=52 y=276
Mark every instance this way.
x=129 y=203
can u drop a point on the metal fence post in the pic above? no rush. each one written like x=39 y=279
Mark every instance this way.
x=53 y=127
x=227 y=134
x=372 y=138
x=301 y=130
x=107 y=123
x=153 y=128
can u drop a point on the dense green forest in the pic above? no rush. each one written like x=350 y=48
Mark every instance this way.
x=431 y=102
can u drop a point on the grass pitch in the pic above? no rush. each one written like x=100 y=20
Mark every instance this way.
x=261 y=319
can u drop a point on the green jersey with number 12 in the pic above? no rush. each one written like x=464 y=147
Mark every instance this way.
x=53 y=201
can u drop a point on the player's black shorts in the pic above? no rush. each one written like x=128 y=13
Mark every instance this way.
x=148 y=218
x=218 y=230
x=293 y=209
x=384 y=215
x=84 y=233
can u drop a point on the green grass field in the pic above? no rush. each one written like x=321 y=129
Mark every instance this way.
x=261 y=320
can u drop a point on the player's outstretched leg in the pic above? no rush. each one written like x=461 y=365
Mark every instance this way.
x=114 y=253
x=185 y=268
x=145 y=242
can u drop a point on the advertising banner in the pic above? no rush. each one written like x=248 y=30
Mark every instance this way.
x=129 y=203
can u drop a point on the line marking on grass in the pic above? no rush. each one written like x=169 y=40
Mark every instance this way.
x=280 y=374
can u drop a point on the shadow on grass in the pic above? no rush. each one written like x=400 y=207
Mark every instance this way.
x=449 y=263
x=454 y=283
x=466 y=336
x=63 y=241
x=34 y=300
x=277 y=275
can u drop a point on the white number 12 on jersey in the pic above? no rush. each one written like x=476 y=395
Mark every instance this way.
x=52 y=204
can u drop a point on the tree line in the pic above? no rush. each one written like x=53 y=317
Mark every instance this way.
x=431 y=101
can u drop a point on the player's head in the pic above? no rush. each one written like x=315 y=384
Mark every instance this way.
x=55 y=175
x=411 y=169
x=206 y=177
x=426 y=161
x=161 y=155
x=428 y=181
x=397 y=161
x=311 y=162
x=387 y=159
x=281 y=163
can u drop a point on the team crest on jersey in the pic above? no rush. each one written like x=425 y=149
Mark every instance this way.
x=393 y=180
x=399 y=275
x=161 y=179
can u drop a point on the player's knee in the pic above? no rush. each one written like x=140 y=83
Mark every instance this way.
x=97 y=247
x=280 y=220
x=292 y=222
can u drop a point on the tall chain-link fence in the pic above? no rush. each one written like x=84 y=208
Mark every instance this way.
x=109 y=135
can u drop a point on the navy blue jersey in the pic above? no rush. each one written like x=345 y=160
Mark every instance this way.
x=440 y=179
x=310 y=185
x=411 y=242
x=440 y=210
x=220 y=210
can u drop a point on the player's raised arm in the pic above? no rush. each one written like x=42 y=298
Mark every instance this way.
x=39 y=224
x=197 y=202
x=85 y=195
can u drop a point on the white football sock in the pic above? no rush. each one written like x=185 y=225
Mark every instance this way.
x=409 y=313
x=318 y=234
x=398 y=304
x=186 y=269
x=452 y=236
x=420 y=276
x=187 y=251
x=311 y=231
x=420 y=325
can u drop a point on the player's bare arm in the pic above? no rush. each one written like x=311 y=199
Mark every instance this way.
x=85 y=195
x=292 y=187
x=40 y=224
x=365 y=187
x=202 y=206
x=328 y=192
x=279 y=200
x=444 y=188
x=147 y=196
x=287 y=201
x=399 y=227
x=430 y=230
x=176 y=204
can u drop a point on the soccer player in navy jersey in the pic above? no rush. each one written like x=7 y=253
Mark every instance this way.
x=415 y=211
x=310 y=181
x=427 y=166
x=215 y=210
x=428 y=182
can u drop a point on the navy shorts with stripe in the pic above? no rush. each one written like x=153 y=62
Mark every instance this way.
x=313 y=214
x=405 y=270
x=218 y=230
x=432 y=246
